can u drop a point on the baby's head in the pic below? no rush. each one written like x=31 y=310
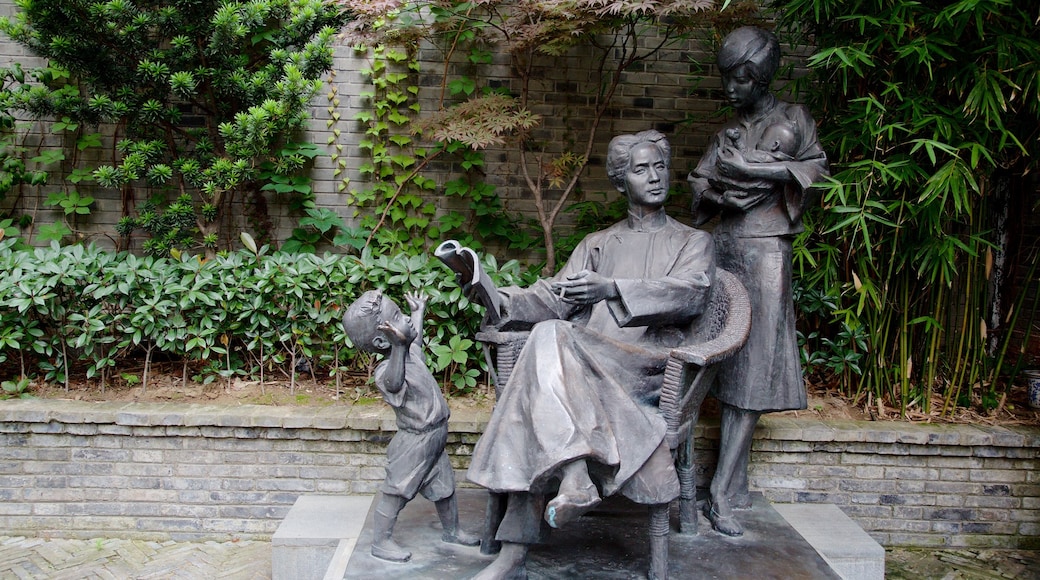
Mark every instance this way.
x=362 y=319
x=734 y=136
x=780 y=138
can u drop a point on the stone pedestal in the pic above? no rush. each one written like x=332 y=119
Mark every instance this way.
x=610 y=542
x=850 y=551
x=318 y=536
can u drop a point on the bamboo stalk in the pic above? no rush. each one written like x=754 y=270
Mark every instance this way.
x=1013 y=323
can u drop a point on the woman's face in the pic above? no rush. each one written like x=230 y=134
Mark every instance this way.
x=741 y=89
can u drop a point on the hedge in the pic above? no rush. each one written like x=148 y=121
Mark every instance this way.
x=81 y=309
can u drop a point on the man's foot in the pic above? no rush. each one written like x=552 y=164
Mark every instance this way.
x=577 y=495
x=569 y=505
x=389 y=550
x=461 y=538
x=511 y=564
x=721 y=517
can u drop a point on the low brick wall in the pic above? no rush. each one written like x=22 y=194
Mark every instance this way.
x=176 y=471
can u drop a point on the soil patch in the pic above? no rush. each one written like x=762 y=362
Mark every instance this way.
x=167 y=385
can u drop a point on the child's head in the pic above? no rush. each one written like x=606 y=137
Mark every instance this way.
x=362 y=319
x=734 y=136
x=780 y=138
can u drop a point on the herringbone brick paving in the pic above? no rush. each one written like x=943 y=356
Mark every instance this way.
x=116 y=559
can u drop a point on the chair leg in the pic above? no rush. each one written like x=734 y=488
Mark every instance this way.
x=658 y=542
x=496 y=509
x=687 y=486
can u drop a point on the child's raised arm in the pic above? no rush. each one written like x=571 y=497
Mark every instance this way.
x=417 y=305
x=400 y=334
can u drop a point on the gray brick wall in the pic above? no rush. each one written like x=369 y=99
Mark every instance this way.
x=172 y=471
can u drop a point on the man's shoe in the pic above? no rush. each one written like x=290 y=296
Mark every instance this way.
x=569 y=505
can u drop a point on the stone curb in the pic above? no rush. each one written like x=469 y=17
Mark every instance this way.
x=379 y=417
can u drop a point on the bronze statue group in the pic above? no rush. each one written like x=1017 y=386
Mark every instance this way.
x=578 y=415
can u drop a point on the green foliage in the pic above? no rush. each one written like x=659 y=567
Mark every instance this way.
x=928 y=111
x=208 y=95
x=245 y=313
x=16 y=389
x=71 y=202
x=474 y=113
x=13 y=169
x=401 y=214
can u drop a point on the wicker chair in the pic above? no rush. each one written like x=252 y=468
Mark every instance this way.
x=720 y=332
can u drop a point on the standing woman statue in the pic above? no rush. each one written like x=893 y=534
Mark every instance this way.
x=755 y=174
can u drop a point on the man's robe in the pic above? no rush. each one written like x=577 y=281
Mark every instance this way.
x=587 y=382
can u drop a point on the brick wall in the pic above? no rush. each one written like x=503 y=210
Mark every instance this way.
x=175 y=471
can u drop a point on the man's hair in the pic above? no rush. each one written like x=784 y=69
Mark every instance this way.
x=361 y=320
x=752 y=46
x=619 y=153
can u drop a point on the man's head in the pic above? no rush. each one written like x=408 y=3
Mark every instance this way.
x=639 y=166
x=362 y=319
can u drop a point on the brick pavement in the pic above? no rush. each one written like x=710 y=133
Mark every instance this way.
x=120 y=559
x=24 y=558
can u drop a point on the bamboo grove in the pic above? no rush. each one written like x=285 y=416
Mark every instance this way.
x=930 y=111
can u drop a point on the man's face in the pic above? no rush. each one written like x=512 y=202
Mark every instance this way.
x=646 y=181
x=741 y=89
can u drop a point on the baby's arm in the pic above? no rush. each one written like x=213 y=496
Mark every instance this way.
x=417 y=305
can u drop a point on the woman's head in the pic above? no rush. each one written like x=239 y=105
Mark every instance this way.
x=756 y=49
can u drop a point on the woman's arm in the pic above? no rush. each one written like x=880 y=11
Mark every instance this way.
x=732 y=164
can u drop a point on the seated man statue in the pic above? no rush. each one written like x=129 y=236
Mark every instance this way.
x=580 y=408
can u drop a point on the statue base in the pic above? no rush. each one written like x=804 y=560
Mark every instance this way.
x=610 y=542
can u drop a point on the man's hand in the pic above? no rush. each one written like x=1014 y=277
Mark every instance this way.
x=585 y=287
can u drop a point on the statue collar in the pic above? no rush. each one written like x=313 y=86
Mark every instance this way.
x=758 y=115
x=649 y=221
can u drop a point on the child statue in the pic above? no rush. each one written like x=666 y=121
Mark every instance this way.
x=416 y=460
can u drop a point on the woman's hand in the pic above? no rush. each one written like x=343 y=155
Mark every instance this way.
x=585 y=287
x=739 y=199
x=732 y=165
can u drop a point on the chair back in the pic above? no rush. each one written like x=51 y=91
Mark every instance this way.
x=719 y=333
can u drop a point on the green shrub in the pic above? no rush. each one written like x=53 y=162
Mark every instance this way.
x=241 y=313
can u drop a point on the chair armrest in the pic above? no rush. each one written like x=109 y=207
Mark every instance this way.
x=496 y=337
x=733 y=334
x=508 y=345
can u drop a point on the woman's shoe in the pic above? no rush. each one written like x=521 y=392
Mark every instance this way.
x=722 y=518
